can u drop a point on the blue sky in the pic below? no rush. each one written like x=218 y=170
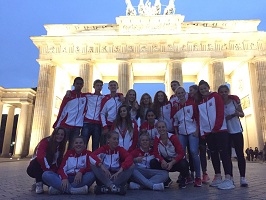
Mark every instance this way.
x=20 y=19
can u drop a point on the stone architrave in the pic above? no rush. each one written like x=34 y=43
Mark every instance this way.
x=41 y=126
x=21 y=130
x=8 y=131
x=86 y=72
x=216 y=75
x=124 y=77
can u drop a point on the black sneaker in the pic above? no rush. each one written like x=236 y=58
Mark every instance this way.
x=100 y=190
x=179 y=178
x=182 y=183
x=168 y=183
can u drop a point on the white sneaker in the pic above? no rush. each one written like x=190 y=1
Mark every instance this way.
x=216 y=181
x=39 y=188
x=134 y=186
x=53 y=191
x=227 y=184
x=158 y=186
x=80 y=190
x=243 y=182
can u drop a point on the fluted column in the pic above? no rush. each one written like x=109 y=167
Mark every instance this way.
x=21 y=130
x=8 y=131
x=216 y=75
x=43 y=105
x=258 y=70
x=124 y=77
x=175 y=70
x=86 y=72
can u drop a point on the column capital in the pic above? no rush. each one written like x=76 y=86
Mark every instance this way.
x=180 y=61
x=257 y=59
x=45 y=62
x=87 y=61
x=212 y=61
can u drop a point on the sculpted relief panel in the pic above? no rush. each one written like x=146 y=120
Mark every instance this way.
x=154 y=47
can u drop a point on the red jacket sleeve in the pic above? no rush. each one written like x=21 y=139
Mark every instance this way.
x=135 y=138
x=156 y=150
x=94 y=159
x=219 y=112
x=178 y=148
x=62 y=106
x=126 y=158
x=41 y=154
x=61 y=170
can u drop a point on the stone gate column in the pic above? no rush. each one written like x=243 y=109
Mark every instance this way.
x=21 y=130
x=8 y=131
x=41 y=125
x=125 y=77
x=175 y=70
x=257 y=70
x=216 y=75
x=86 y=72
x=1 y=112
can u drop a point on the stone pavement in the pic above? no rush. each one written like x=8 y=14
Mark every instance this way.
x=15 y=184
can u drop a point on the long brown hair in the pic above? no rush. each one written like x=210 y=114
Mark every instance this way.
x=53 y=146
x=118 y=121
x=157 y=105
x=142 y=106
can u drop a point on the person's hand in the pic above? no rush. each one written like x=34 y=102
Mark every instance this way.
x=170 y=165
x=138 y=159
x=114 y=176
x=196 y=133
x=78 y=178
x=228 y=117
x=68 y=93
x=65 y=185
x=164 y=164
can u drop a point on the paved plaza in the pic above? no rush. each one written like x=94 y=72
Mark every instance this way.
x=15 y=184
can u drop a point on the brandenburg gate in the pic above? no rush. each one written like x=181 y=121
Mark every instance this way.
x=153 y=48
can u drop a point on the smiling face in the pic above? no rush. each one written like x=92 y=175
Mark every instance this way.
x=224 y=92
x=180 y=93
x=79 y=145
x=113 y=86
x=145 y=99
x=113 y=141
x=132 y=96
x=150 y=117
x=123 y=112
x=60 y=135
x=144 y=142
x=161 y=128
x=98 y=87
x=160 y=97
x=78 y=84
x=204 y=90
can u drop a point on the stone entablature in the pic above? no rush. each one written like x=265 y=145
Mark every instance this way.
x=18 y=95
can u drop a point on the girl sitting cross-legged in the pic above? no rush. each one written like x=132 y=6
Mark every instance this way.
x=112 y=165
x=143 y=176
x=74 y=175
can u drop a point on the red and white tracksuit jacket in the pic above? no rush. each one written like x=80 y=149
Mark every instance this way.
x=151 y=129
x=172 y=150
x=113 y=160
x=211 y=114
x=73 y=163
x=147 y=157
x=109 y=108
x=40 y=155
x=72 y=110
x=128 y=139
x=93 y=108
x=167 y=116
x=186 y=117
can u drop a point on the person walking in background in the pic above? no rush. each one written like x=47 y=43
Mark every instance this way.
x=72 y=110
x=251 y=153
x=74 y=175
x=47 y=156
x=232 y=111
x=213 y=125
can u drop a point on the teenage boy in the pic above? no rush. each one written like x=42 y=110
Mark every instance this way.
x=109 y=107
x=72 y=110
x=174 y=84
x=92 y=121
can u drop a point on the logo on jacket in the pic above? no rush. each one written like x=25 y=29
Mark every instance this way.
x=188 y=111
x=82 y=101
x=210 y=104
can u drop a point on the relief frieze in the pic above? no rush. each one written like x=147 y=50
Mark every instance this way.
x=155 y=47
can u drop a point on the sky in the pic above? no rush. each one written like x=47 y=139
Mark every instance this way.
x=20 y=19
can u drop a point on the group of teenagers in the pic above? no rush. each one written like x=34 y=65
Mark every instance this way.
x=172 y=137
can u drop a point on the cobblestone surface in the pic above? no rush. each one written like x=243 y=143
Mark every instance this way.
x=15 y=184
